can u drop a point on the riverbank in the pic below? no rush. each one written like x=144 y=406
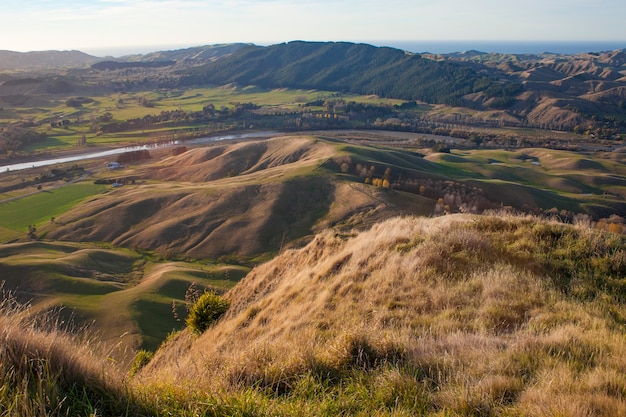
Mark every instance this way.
x=80 y=154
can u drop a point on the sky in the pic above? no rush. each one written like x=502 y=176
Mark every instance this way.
x=116 y=27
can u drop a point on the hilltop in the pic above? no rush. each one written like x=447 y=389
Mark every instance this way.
x=456 y=315
x=468 y=315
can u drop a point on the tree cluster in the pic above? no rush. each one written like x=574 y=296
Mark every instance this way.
x=174 y=117
x=17 y=136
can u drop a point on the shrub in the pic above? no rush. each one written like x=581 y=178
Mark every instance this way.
x=205 y=312
x=141 y=359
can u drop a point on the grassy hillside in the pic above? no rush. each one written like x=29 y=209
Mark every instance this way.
x=542 y=178
x=124 y=297
x=457 y=315
x=236 y=200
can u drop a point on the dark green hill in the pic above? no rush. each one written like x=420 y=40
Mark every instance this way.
x=346 y=67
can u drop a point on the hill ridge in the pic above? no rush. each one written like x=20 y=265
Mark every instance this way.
x=409 y=294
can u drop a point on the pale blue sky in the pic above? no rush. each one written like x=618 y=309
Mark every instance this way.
x=124 y=25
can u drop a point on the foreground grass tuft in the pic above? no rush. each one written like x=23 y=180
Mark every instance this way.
x=45 y=371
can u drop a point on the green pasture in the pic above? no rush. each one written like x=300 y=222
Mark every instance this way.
x=72 y=269
x=39 y=208
x=151 y=306
x=82 y=306
x=219 y=278
x=558 y=171
x=397 y=159
x=135 y=105
x=544 y=178
x=125 y=106
x=110 y=288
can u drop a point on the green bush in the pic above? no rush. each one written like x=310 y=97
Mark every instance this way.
x=205 y=312
x=141 y=359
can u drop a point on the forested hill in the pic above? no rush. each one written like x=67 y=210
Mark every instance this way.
x=346 y=67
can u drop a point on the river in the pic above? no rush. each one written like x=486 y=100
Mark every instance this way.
x=117 y=151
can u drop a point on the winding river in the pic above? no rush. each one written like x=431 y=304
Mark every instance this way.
x=117 y=151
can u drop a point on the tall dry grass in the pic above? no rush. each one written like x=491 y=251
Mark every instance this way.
x=459 y=315
x=46 y=370
x=452 y=316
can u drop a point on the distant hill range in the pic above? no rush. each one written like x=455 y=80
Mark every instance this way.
x=342 y=66
x=39 y=60
x=11 y=60
x=548 y=90
x=552 y=91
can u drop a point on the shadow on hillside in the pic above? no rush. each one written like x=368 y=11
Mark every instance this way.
x=302 y=202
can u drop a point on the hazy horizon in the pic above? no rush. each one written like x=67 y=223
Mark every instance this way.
x=97 y=25
x=416 y=46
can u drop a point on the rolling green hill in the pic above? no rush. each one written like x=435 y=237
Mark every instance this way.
x=341 y=306
x=344 y=67
x=250 y=199
x=124 y=298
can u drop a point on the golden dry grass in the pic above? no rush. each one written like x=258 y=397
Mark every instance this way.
x=46 y=370
x=460 y=308
x=458 y=315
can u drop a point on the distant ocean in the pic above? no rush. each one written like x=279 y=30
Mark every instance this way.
x=505 y=47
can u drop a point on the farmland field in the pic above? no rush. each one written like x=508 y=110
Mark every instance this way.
x=17 y=215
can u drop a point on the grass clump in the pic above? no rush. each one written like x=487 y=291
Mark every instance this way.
x=47 y=371
x=208 y=309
